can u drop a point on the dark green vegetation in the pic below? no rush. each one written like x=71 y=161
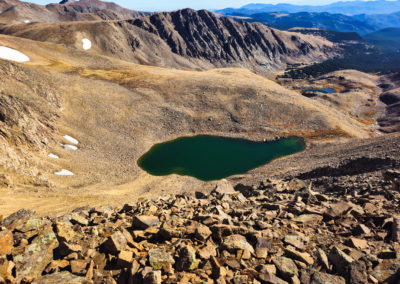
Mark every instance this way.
x=357 y=56
x=377 y=51
x=333 y=36
x=386 y=39
x=326 y=21
x=211 y=158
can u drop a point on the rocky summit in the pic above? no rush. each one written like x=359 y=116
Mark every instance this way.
x=278 y=231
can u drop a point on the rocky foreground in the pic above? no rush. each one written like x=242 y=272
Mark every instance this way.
x=280 y=231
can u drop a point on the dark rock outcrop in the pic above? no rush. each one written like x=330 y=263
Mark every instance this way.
x=203 y=35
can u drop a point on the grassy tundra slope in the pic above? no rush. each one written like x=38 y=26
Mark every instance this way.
x=118 y=110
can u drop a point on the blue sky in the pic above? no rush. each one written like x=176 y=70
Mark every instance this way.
x=163 y=5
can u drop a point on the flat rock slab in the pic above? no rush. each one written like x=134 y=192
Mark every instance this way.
x=144 y=222
x=37 y=256
x=61 y=277
x=237 y=242
x=309 y=218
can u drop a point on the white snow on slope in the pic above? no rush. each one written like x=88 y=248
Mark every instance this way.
x=86 y=44
x=64 y=173
x=53 y=156
x=71 y=139
x=27 y=21
x=12 y=54
x=70 y=147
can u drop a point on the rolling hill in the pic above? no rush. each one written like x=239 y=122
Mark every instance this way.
x=380 y=21
x=326 y=21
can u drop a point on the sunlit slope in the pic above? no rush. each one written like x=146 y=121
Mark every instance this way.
x=186 y=39
x=118 y=110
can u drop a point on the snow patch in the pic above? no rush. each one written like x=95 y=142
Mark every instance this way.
x=70 y=147
x=27 y=21
x=12 y=54
x=86 y=44
x=71 y=139
x=53 y=156
x=64 y=173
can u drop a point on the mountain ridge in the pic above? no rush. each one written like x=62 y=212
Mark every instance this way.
x=347 y=8
x=198 y=37
x=14 y=11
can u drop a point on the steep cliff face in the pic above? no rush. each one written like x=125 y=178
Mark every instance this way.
x=200 y=34
x=186 y=38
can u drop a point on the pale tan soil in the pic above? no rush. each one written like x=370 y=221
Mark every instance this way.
x=118 y=110
x=357 y=94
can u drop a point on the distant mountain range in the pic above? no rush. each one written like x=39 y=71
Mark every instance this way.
x=327 y=21
x=346 y=8
x=362 y=24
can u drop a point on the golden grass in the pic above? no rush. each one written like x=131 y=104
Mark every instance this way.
x=368 y=117
x=321 y=134
x=62 y=66
x=116 y=76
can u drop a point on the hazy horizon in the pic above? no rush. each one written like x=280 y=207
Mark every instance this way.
x=162 y=5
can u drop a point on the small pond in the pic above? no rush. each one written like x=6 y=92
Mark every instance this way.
x=212 y=158
x=323 y=91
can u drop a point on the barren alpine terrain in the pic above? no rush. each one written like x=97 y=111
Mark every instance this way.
x=87 y=87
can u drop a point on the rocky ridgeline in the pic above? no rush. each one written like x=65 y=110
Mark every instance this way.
x=277 y=232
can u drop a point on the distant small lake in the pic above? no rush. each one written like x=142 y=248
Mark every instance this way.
x=212 y=157
x=324 y=91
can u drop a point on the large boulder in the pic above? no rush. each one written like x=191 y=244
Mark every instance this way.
x=17 y=219
x=237 y=242
x=36 y=256
x=6 y=242
x=144 y=222
x=115 y=243
x=159 y=258
x=286 y=267
x=187 y=259
x=387 y=270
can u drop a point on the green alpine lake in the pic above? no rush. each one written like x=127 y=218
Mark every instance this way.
x=212 y=157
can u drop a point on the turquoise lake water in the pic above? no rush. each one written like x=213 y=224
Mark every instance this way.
x=212 y=157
